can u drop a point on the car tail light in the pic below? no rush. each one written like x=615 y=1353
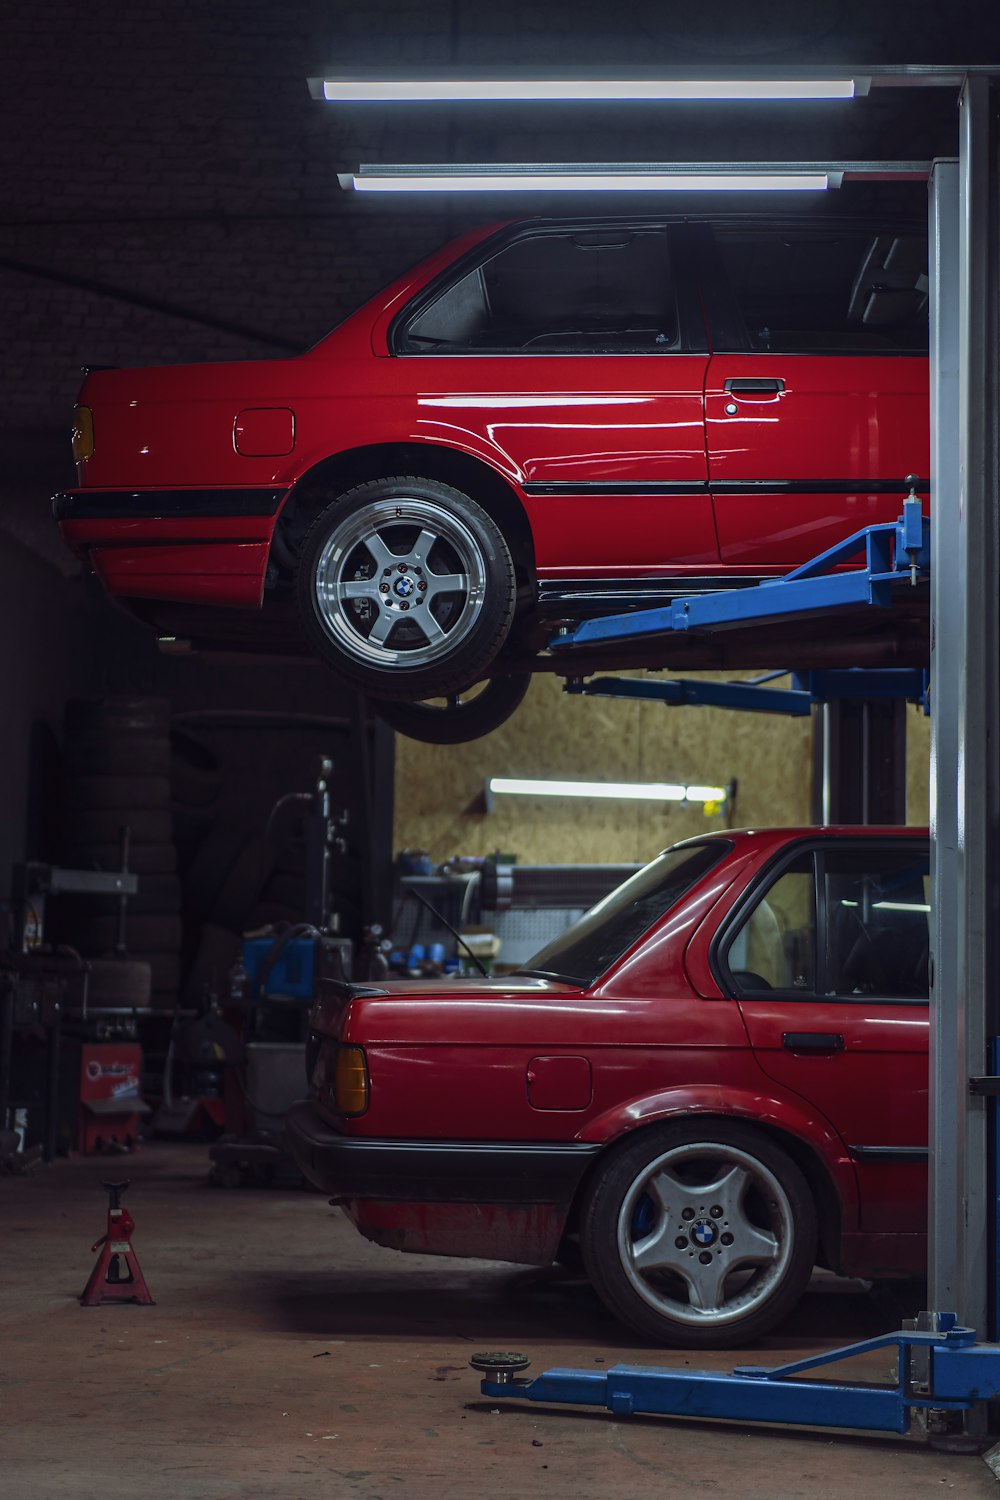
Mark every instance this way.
x=351 y=1081
x=83 y=434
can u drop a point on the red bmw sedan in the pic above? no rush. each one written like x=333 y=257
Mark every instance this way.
x=541 y=422
x=714 y=1081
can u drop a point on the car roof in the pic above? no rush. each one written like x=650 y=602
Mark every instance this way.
x=794 y=832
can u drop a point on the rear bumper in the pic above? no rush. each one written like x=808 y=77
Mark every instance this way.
x=186 y=546
x=510 y=1173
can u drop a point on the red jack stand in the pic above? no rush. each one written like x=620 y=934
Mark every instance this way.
x=107 y=1284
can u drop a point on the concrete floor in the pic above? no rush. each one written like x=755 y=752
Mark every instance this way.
x=286 y=1358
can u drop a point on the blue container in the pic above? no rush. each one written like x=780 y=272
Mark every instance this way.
x=293 y=973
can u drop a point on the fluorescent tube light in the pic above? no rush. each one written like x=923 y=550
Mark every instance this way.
x=638 y=791
x=588 y=182
x=442 y=90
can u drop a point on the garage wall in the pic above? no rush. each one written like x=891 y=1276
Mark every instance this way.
x=170 y=195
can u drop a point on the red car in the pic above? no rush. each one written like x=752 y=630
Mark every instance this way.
x=540 y=422
x=715 y=1080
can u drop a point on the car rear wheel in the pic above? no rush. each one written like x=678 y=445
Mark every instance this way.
x=700 y=1235
x=405 y=587
x=457 y=717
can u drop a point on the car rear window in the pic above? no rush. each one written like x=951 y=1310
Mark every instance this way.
x=837 y=291
x=586 y=291
x=585 y=951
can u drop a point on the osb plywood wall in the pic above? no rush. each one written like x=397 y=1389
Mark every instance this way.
x=439 y=789
x=439 y=803
x=918 y=749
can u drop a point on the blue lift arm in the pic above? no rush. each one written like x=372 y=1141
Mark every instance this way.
x=895 y=552
x=961 y=1373
x=752 y=695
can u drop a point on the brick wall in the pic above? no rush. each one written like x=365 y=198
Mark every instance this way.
x=170 y=154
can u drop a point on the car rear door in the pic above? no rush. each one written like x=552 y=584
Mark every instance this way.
x=816 y=397
x=827 y=959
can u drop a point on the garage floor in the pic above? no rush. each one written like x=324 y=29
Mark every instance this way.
x=287 y=1358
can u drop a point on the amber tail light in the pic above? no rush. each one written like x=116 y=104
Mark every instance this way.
x=351 y=1081
x=83 y=434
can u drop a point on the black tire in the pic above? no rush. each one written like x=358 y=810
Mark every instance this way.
x=118 y=755
x=143 y=859
x=459 y=717
x=129 y=793
x=706 y=1212
x=143 y=934
x=240 y=891
x=118 y=982
x=140 y=716
x=389 y=540
x=165 y=969
x=103 y=825
x=195 y=774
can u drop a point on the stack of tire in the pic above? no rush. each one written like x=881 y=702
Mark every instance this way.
x=117 y=775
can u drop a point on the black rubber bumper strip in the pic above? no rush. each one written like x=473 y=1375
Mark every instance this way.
x=859 y=485
x=509 y=1172
x=94 y=505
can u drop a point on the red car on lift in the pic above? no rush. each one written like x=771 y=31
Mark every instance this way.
x=542 y=421
x=715 y=1080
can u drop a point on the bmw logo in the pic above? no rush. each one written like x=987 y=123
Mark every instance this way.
x=703 y=1232
x=403 y=587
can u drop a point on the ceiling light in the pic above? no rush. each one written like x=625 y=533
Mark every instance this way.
x=637 y=791
x=442 y=90
x=521 y=179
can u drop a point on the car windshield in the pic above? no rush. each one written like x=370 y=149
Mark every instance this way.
x=585 y=951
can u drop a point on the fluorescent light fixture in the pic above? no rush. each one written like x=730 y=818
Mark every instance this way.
x=653 y=180
x=444 y=90
x=635 y=791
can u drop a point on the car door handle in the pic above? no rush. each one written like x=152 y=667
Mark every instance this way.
x=755 y=386
x=812 y=1041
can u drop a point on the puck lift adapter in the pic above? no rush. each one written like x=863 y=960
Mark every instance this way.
x=116 y=1276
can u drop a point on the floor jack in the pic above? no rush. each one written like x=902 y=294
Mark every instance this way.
x=107 y=1283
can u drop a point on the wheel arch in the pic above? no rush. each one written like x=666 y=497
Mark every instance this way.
x=805 y=1154
x=463 y=471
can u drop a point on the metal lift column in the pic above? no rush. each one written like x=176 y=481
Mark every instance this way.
x=965 y=729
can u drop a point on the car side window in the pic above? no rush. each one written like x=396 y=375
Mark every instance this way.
x=578 y=292
x=810 y=291
x=774 y=944
x=878 y=923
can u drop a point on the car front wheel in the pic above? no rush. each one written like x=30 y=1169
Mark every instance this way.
x=700 y=1235
x=405 y=587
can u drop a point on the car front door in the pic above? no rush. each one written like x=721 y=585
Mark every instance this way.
x=816 y=397
x=577 y=356
x=828 y=962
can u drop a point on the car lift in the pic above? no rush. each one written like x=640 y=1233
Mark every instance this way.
x=940 y=1369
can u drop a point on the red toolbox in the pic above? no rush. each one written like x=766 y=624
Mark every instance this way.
x=110 y=1103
